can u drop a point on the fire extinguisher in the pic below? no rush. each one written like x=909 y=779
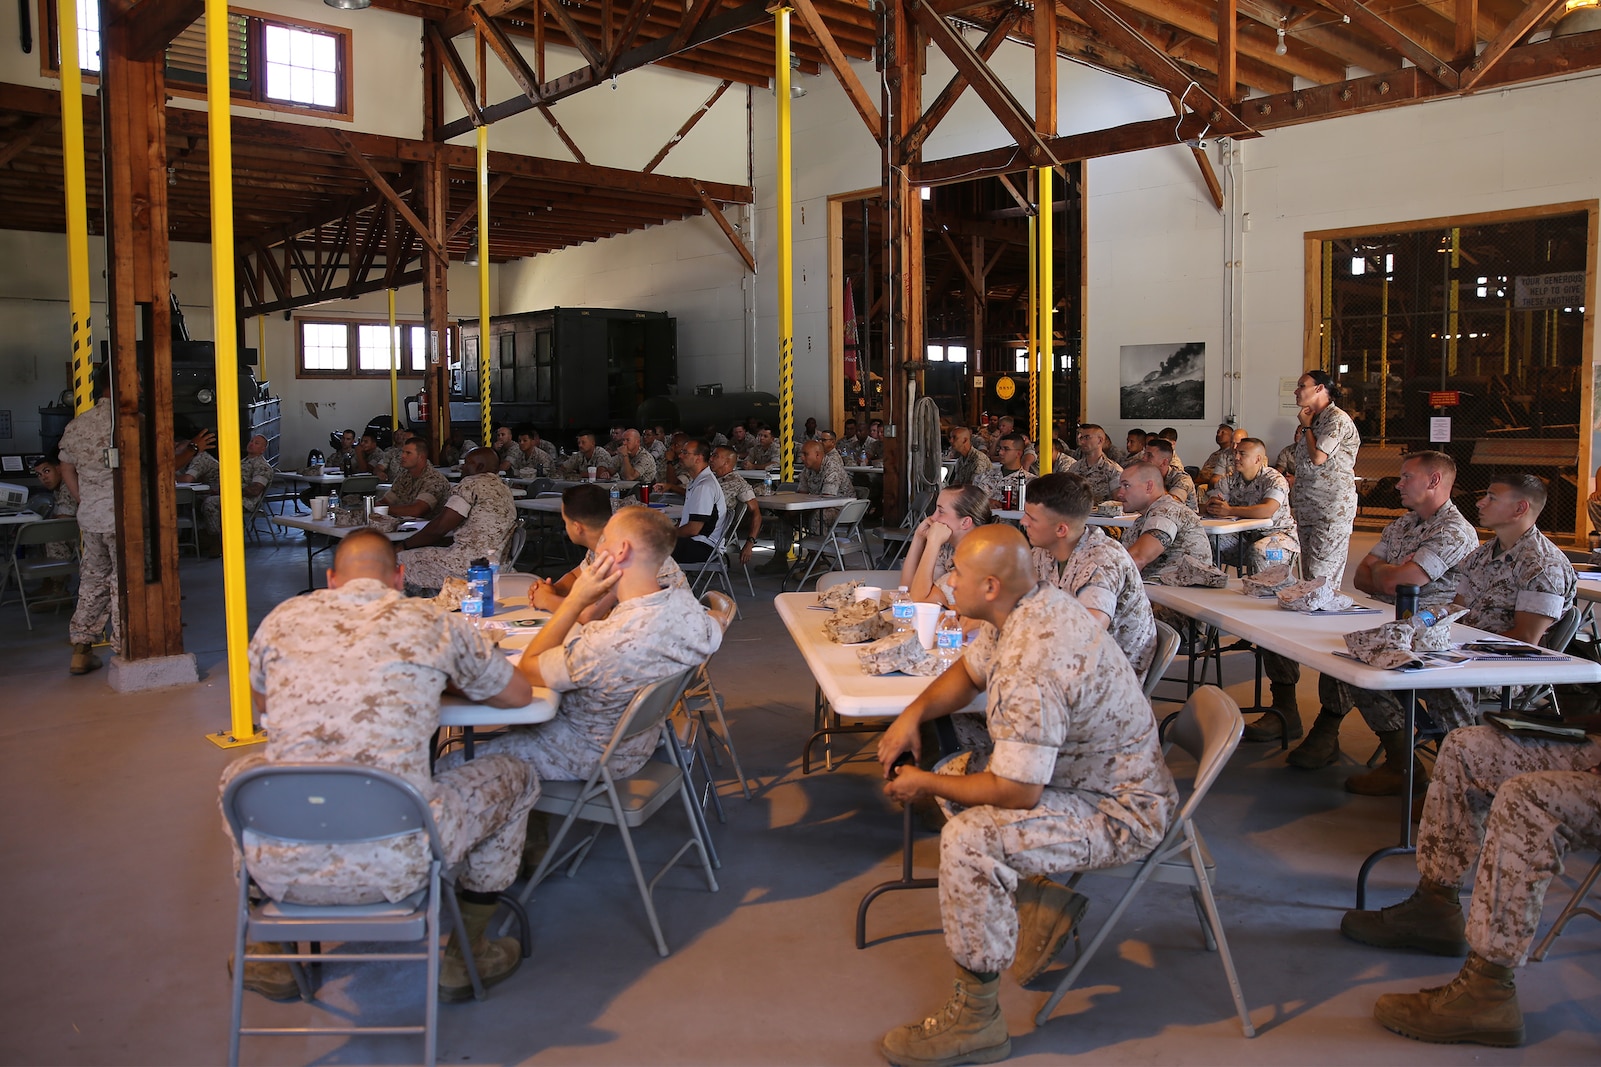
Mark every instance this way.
x=422 y=404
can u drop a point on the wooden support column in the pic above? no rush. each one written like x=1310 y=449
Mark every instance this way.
x=977 y=305
x=139 y=298
x=435 y=181
x=903 y=48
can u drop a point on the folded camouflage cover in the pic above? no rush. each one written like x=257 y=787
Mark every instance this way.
x=857 y=622
x=840 y=595
x=1269 y=580
x=1189 y=571
x=1397 y=644
x=452 y=593
x=1314 y=594
x=898 y=652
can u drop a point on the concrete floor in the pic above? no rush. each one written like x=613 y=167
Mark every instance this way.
x=118 y=901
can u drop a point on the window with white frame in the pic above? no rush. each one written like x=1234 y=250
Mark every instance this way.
x=353 y=348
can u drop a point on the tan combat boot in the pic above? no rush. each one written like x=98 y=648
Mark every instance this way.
x=83 y=658
x=496 y=960
x=1389 y=777
x=968 y=1029
x=1430 y=920
x=1047 y=915
x=1268 y=728
x=275 y=981
x=1322 y=744
x=1479 y=1005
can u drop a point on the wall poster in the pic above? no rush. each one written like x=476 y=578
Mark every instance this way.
x=1165 y=383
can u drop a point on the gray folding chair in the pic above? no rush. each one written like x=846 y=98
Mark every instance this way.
x=1576 y=906
x=23 y=568
x=358 y=485
x=843 y=538
x=896 y=539
x=716 y=564
x=627 y=802
x=1167 y=647
x=1208 y=728
x=188 y=519
x=257 y=512
x=332 y=804
x=701 y=695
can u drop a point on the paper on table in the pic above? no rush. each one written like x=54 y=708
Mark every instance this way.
x=1422 y=661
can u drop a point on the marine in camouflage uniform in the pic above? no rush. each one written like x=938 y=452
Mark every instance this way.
x=759 y=458
x=1531 y=576
x=577 y=465
x=644 y=466
x=1235 y=488
x=736 y=491
x=996 y=481
x=1323 y=497
x=83 y=444
x=431 y=488
x=1065 y=711
x=1100 y=574
x=1101 y=475
x=669 y=574
x=63 y=506
x=971 y=469
x=254 y=470
x=1176 y=527
x=597 y=670
x=354 y=675
x=205 y=469
x=528 y=464
x=1178 y=480
x=488 y=513
x=1285 y=463
x=1438 y=544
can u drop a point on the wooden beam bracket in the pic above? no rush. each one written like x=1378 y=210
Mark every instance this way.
x=855 y=91
x=380 y=183
x=1366 y=19
x=723 y=224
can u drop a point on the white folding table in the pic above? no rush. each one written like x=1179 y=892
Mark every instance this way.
x=327 y=528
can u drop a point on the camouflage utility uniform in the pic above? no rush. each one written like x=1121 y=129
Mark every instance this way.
x=760 y=458
x=669 y=575
x=1324 y=497
x=1437 y=544
x=254 y=470
x=1101 y=574
x=577 y=465
x=1178 y=480
x=1102 y=477
x=1234 y=488
x=644 y=467
x=970 y=469
x=1516 y=807
x=488 y=513
x=1533 y=576
x=1176 y=527
x=530 y=464
x=1065 y=712
x=996 y=481
x=84 y=444
x=63 y=506
x=598 y=669
x=205 y=469
x=354 y=675
x=1285 y=463
x=430 y=487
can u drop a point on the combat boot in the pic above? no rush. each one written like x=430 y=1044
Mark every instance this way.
x=968 y=1029
x=1322 y=744
x=1047 y=915
x=1479 y=1005
x=496 y=960
x=275 y=981
x=1267 y=728
x=1389 y=778
x=1430 y=920
x=83 y=658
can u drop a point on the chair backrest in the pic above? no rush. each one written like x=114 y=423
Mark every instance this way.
x=721 y=608
x=46 y=531
x=736 y=522
x=359 y=485
x=540 y=486
x=1167 y=646
x=184 y=496
x=512 y=547
x=851 y=514
x=922 y=501
x=649 y=708
x=882 y=579
x=1560 y=633
x=326 y=803
x=1208 y=727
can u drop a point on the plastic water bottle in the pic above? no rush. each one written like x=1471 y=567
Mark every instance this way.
x=472 y=608
x=900 y=603
x=1274 y=555
x=482 y=582
x=333 y=500
x=616 y=498
x=494 y=576
x=948 y=639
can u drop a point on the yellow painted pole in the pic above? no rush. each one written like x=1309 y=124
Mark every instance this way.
x=1033 y=318
x=77 y=206
x=394 y=368
x=224 y=327
x=1047 y=439
x=1454 y=322
x=786 y=249
x=483 y=283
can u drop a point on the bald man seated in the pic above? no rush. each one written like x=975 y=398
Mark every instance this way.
x=1073 y=780
x=353 y=674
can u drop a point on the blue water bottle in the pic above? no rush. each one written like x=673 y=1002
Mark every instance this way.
x=482 y=581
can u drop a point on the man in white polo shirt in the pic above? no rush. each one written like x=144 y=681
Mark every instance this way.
x=700 y=530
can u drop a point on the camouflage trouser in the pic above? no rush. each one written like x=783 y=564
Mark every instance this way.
x=1451 y=709
x=1256 y=549
x=97 y=591
x=210 y=506
x=481 y=810
x=1515 y=806
x=427 y=568
x=1325 y=536
x=558 y=751
x=58 y=550
x=985 y=851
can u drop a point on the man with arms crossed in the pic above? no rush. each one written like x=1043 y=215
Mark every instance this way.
x=1075 y=781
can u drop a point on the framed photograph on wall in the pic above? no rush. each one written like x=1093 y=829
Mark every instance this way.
x=1164 y=383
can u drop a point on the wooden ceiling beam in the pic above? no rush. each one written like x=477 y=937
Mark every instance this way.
x=1208 y=175
x=24 y=138
x=1481 y=65
x=996 y=96
x=1227 y=52
x=456 y=70
x=633 y=22
x=1467 y=30
x=689 y=124
x=471 y=211
x=381 y=183
x=1350 y=49
x=953 y=89
x=152 y=25
x=723 y=224
x=579 y=40
x=855 y=91
x=1422 y=58
x=1200 y=18
x=1249 y=72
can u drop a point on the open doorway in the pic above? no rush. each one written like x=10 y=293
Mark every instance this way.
x=976 y=287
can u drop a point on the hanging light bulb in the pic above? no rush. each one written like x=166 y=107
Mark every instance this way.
x=1281 y=48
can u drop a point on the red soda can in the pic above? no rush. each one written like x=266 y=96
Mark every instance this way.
x=644 y=492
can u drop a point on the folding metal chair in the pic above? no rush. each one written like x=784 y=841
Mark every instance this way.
x=1576 y=906
x=716 y=564
x=257 y=511
x=900 y=537
x=1208 y=728
x=843 y=537
x=627 y=802
x=25 y=568
x=1167 y=647
x=326 y=804
x=701 y=695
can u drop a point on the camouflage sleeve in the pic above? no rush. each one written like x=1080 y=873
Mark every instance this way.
x=1541 y=589
x=980 y=655
x=477 y=669
x=1016 y=718
x=577 y=662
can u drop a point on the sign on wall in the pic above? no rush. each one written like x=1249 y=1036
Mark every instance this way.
x=1548 y=290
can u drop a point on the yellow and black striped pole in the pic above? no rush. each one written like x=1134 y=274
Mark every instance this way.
x=236 y=626
x=394 y=371
x=1033 y=318
x=786 y=242
x=1047 y=331
x=483 y=285
x=77 y=206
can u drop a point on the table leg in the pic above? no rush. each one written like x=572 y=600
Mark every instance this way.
x=947 y=743
x=1406 y=847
